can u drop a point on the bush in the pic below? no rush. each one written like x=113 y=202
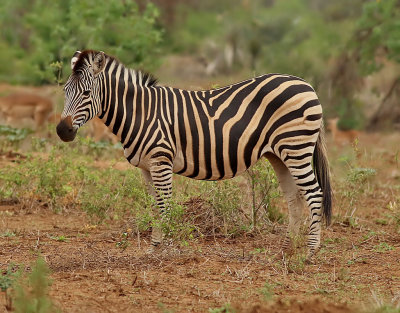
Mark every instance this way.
x=67 y=175
x=32 y=38
x=30 y=293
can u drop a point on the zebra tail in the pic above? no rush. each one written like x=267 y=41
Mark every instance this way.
x=321 y=168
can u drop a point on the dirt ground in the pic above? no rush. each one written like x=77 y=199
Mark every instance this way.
x=357 y=267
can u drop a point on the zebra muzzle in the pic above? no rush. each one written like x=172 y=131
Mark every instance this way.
x=65 y=130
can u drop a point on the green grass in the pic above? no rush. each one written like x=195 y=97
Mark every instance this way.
x=64 y=176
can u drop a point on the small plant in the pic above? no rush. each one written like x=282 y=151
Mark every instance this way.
x=355 y=184
x=321 y=291
x=356 y=180
x=12 y=182
x=12 y=136
x=257 y=251
x=124 y=243
x=49 y=185
x=30 y=293
x=95 y=148
x=351 y=221
x=224 y=197
x=174 y=224
x=57 y=68
x=369 y=235
x=60 y=238
x=8 y=234
x=7 y=279
x=226 y=308
x=381 y=221
x=296 y=263
x=267 y=291
x=344 y=274
x=122 y=192
x=383 y=247
x=358 y=176
x=394 y=208
x=264 y=188
x=8 y=276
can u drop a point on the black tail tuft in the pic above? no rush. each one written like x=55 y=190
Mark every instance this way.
x=321 y=167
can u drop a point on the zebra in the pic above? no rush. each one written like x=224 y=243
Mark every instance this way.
x=209 y=134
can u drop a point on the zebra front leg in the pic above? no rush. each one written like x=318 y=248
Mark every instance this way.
x=156 y=231
x=159 y=184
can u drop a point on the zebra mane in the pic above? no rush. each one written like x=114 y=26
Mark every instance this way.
x=143 y=78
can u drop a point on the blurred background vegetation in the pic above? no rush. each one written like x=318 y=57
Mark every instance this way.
x=348 y=50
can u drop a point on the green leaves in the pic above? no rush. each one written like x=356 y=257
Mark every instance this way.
x=378 y=34
x=33 y=38
x=13 y=136
x=31 y=292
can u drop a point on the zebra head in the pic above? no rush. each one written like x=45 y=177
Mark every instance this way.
x=82 y=97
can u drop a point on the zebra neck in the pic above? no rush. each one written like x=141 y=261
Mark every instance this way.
x=124 y=100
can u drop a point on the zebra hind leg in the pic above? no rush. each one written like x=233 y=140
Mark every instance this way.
x=293 y=199
x=309 y=188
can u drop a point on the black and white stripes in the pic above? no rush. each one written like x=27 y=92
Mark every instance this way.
x=210 y=134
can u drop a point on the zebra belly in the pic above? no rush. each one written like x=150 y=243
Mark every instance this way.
x=210 y=171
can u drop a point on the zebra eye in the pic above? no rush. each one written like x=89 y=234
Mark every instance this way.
x=86 y=93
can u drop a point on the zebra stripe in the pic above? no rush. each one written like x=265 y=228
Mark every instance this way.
x=210 y=134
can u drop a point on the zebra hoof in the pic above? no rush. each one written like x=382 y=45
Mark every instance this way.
x=153 y=248
x=150 y=250
x=288 y=249
x=310 y=259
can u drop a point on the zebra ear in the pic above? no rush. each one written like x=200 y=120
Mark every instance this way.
x=75 y=58
x=99 y=61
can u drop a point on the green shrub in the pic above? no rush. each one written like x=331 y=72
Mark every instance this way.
x=81 y=175
x=111 y=193
x=33 y=40
x=9 y=276
x=12 y=137
x=31 y=292
x=264 y=189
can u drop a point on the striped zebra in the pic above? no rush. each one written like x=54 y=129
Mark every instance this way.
x=210 y=134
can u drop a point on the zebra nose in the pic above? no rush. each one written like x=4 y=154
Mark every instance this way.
x=65 y=130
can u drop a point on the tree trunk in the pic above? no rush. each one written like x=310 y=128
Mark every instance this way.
x=387 y=116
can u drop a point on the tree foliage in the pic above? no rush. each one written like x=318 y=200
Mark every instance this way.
x=375 y=41
x=378 y=34
x=36 y=33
